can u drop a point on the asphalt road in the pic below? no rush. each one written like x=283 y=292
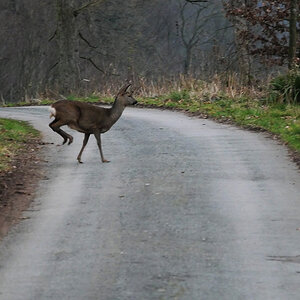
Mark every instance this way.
x=186 y=209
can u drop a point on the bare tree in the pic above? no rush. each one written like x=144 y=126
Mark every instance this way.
x=294 y=6
x=194 y=25
x=66 y=68
x=51 y=46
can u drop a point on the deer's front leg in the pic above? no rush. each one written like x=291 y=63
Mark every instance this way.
x=85 y=140
x=98 y=138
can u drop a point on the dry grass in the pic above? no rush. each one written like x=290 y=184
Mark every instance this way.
x=227 y=84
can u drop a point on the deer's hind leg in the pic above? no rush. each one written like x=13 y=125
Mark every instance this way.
x=55 y=126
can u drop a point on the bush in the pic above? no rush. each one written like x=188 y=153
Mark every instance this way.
x=179 y=95
x=286 y=88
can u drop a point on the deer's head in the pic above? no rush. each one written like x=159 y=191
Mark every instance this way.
x=125 y=97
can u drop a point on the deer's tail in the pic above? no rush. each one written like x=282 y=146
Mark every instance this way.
x=52 y=111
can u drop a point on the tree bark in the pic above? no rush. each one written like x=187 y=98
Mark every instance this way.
x=68 y=75
x=293 y=34
x=242 y=46
x=187 y=61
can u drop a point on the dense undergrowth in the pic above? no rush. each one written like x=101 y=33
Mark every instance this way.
x=14 y=138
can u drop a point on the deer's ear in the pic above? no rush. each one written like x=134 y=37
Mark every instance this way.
x=123 y=90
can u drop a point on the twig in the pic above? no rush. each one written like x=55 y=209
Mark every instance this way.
x=85 y=40
x=86 y=6
x=93 y=63
x=52 y=36
x=99 y=69
x=52 y=67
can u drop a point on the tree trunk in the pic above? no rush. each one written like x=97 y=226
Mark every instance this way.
x=68 y=76
x=293 y=34
x=187 y=61
x=241 y=26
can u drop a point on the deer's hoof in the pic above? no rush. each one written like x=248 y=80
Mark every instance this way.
x=105 y=161
x=70 y=140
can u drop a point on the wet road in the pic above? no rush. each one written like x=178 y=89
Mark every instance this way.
x=187 y=209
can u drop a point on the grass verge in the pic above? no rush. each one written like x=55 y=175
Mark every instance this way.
x=14 y=138
x=282 y=120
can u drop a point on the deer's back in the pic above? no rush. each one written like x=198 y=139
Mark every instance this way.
x=81 y=116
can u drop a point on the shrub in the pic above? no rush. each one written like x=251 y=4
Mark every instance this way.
x=286 y=88
x=179 y=95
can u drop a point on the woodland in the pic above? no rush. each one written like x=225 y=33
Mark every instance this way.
x=57 y=48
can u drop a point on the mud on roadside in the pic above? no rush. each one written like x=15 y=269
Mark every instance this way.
x=18 y=186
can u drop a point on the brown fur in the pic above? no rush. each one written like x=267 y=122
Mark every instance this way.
x=89 y=119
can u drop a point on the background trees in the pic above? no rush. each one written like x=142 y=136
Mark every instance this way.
x=62 y=47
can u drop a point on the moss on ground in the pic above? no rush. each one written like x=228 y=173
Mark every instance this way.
x=14 y=138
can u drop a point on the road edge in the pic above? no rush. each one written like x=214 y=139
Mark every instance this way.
x=20 y=184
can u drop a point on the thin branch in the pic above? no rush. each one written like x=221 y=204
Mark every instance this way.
x=224 y=28
x=85 y=40
x=52 y=67
x=52 y=36
x=86 y=6
x=197 y=33
x=57 y=94
x=94 y=64
x=95 y=48
x=182 y=27
x=196 y=26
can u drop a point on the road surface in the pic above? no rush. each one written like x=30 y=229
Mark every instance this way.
x=187 y=209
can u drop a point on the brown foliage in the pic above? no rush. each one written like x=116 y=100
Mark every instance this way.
x=267 y=30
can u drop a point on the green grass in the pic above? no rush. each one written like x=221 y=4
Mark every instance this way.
x=14 y=138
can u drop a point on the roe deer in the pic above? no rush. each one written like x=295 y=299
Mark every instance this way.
x=89 y=119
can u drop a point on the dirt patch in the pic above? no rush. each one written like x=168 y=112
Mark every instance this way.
x=17 y=186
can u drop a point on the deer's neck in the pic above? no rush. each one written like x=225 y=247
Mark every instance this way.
x=116 y=111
